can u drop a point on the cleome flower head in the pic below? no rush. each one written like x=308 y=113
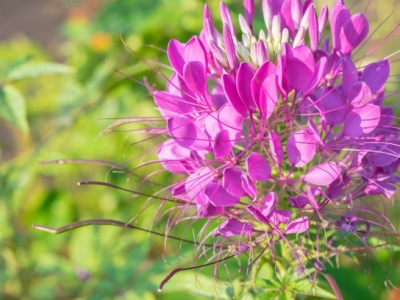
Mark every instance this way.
x=280 y=131
x=280 y=135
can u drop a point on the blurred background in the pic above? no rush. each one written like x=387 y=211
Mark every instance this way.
x=57 y=91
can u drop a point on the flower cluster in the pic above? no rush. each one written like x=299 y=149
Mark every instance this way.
x=279 y=130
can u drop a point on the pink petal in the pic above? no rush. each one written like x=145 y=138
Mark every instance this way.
x=353 y=32
x=268 y=96
x=222 y=144
x=230 y=48
x=280 y=216
x=275 y=147
x=300 y=67
x=226 y=118
x=249 y=11
x=258 y=168
x=233 y=227
x=333 y=106
x=359 y=94
x=376 y=74
x=267 y=69
x=196 y=183
x=194 y=76
x=233 y=95
x=243 y=83
x=301 y=147
x=175 y=158
x=313 y=28
x=311 y=192
x=298 y=201
x=350 y=74
x=249 y=186
x=227 y=18
x=298 y=225
x=339 y=15
x=194 y=51
x=362 y=120
x=232 y=182
x=269 y=203
x=257 y=214
x=171 y=105
x=175 y=52
x=323 y=174
x=219 y=196
x=187 y=134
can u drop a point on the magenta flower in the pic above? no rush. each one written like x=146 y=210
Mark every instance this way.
x=277 y=133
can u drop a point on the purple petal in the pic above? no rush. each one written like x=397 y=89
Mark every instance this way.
x=233 y=95
x=269 y=203
x=359 y=94
x=280 y=216
x=175 y=158
x=323 y=174
x=261 y=52
x=222 y=144
x=187 y=134
x=298 y=201
x=353 y=32
x=362 y=120
x=227 y=18
x=267 y=69
x=333 y=106
x=376 y=74
x=219 y=196
x=319 y=73
x=258 y=168
x=243 y=83
x=275 y=147
x=339 y=15
x=209 y=210
x=226 y=118
x=175 y=52
x=311 y=192
x=336 y=187
x=206 y=13
x=230 y=49
x=257 y=214
x=383 y=155
x=268 y=97
x=300 y=68
x=313 y=28
x=218 y=97
x=298 y=225
x=196 y=183
x=322 y=20
x=232 y=182
x=170 y=105
x=233 y=227
x=350 y=74
x=194 y=76
x=301 y=147
x=194 y=51
x=249 y=186
x=249 y=11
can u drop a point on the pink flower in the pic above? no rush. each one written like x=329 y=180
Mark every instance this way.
x=272 y=129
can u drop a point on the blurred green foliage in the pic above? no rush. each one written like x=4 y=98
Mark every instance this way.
x=64 y=105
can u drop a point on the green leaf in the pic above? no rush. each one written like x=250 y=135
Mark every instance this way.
x=305 y=287
x=12 y=107
x=33 y=70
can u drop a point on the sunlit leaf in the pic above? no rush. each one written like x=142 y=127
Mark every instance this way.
x=12 y=107
x=33 y=70
x=306 y=287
